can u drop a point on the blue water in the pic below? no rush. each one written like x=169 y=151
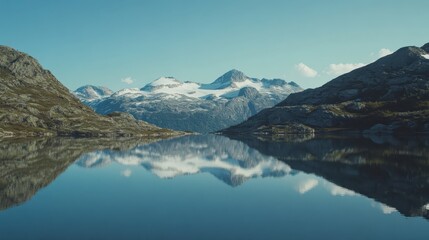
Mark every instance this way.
x=187 y=188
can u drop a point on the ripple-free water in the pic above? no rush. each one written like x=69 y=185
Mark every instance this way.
x=214 y=187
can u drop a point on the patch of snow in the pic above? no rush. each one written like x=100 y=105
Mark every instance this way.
x=91 y=93
x=165 y=81
x=172 y=86
x=307 y=185
x=425 y=56
x=336 y=190
x=387 y=209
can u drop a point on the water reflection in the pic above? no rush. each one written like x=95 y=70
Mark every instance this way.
x=27 y=165
x=393 y=172
x=228 y=160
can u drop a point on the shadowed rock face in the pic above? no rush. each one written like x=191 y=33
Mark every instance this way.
x=26 y=166
x=390 y=95
x=392 y=171
x=34 y=102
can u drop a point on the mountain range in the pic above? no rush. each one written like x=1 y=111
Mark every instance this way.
x=190 y=106
x=388 y=96
x=33 y=102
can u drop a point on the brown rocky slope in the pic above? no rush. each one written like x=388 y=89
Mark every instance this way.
x=33 y=102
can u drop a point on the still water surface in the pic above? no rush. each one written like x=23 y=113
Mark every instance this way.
x=214 y=187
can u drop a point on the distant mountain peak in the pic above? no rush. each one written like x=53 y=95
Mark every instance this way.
x=231 y=76
x=294 y=84
x=90 y=92
x=161 y=82
x=165 y=81
x=426 y=47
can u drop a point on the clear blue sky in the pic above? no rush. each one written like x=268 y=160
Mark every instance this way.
x=101 y=42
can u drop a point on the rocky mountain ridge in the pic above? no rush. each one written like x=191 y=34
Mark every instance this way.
x=388 y=96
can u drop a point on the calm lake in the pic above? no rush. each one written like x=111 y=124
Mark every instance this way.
x=215 y=187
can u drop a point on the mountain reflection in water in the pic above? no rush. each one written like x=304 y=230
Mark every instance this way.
x=228 y=160
x=393 y=172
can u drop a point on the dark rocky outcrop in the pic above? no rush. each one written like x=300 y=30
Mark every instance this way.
x=390 y=95
x=33 y=102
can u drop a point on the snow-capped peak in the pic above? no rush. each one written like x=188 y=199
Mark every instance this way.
x=229 y=78
x=90 y=93
x=162 y=82
x=165 y=81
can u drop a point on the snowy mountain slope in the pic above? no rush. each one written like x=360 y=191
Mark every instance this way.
x=91 y=95
x=190 y=106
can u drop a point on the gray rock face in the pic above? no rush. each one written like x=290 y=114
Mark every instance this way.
x=392 y=90
x=229 y=78
x=34 y=102
x=189 y=106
